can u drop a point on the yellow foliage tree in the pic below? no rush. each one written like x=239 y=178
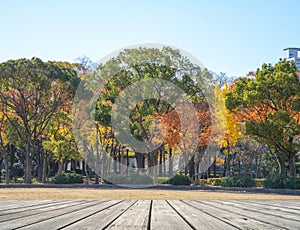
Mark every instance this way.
x=3 y=144
x=59 y=138
x=228 y=122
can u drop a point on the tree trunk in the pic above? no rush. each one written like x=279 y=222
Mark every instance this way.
x=40 y=159
x=45 y=166
x=258 y=160
x=28 y=166
x=215 y=167
x=119 y=160
x=282 y=166
x=115 y=159
x=197 y=170
x=292 y=165
x=164 y=162
x=60 y=166
x=225 y=166
x=127 y=162
x=170 y=163
x=191 y=167
x=160 y=161
x=6 y=170
x=208 y=172
x=12 y=150
x=104 y=162
x=155 y=168
x=140 y=160
x=27 y=172
x=186 y=164
x=239 y=166
x=150 y=163
x=1 y=160
x=86 y=172
x=229 y=170
x=97 y=155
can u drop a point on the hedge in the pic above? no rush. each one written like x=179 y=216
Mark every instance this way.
x=67 y=178
x=238 y=181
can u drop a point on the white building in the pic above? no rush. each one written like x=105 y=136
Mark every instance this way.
x=293 y=54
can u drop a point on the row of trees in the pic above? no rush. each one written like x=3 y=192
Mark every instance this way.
x=254 y=120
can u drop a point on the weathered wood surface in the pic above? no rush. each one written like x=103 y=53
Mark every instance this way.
x=147 y=214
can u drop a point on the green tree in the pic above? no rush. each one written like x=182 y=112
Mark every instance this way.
x=270 y=105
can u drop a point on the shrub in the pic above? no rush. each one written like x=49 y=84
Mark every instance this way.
x=67 y=178
x=292 y=182
x=214 y=181
x=278 y=181
x=163 y=180
x=133 y=178
x=116 y=179
x=238 y=181
x=274 y=181
x=179 y=180
x=136 y=178
x=203 y=182
x=16 y=181
x=259 y=182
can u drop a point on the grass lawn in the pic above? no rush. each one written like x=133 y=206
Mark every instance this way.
x=129 y=194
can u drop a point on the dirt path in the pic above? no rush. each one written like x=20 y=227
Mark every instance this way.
x=129 y=194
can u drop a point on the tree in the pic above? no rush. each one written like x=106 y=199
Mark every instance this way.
x=227 y=122
x=134 y=65
x=59 y=139
x=175 y=133
x=3 y=144
x=33 y=91
x=269 y=103
x=249 y=153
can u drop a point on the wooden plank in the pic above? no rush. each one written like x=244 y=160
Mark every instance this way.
x=29 y=213
x=295 y=202
x=50 y=215
x=15 y=204
x=267 y=207
x=163 y=216
x=102 y=219
x=65 y=219
x=197 y=218
x=235 y=219
x=280 y=203
x=32 y=207
x=262 y=210
x=241 y=214
x=265 y=218
x=136 y=217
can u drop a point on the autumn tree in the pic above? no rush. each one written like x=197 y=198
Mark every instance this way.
x=33 y=91
x=4 y=144
x=176 y=133
x=59 y=139
x=227 y=123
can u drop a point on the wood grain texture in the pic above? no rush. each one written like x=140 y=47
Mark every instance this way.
x=150 y=214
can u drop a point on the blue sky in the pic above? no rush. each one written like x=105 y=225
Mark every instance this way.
x=226 y=36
